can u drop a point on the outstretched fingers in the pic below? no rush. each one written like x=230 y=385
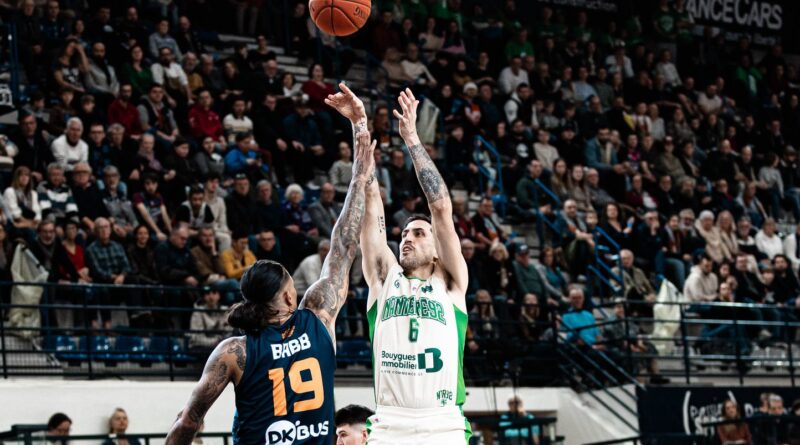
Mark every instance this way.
x=345 y=89
x=397 y=114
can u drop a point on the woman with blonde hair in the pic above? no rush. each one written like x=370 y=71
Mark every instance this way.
x=710 y=233
x=22 y=201
x=117 y=426
x=727 y=232
x=499 y=272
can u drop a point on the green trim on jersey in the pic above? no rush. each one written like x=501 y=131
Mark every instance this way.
x=467 y=426
x=461 y=325
x=372 y=319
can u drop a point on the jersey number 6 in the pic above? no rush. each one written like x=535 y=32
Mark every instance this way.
x=298 y=385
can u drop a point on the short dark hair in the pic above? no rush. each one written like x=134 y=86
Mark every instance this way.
x=352 y=415
x=150 y=177
x=417 y=217
x=56 y=420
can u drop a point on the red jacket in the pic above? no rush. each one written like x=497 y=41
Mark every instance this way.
x=204 y=123
x=125 y=115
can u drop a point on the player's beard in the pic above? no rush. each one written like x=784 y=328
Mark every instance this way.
x=414 y=260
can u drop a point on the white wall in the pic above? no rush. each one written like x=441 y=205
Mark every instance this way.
x=152 y=406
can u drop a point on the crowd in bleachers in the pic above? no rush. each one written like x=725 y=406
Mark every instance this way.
x=148 y=154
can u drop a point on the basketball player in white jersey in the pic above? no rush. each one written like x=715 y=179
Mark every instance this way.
x=416 y=310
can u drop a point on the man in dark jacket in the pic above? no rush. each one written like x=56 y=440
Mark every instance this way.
x=240 y=206
x=176 y=266
x=34 y=151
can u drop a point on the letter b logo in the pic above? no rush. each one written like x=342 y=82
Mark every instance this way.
x=435 y=363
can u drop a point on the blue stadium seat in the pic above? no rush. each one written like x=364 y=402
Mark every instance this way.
x=130 y=347
x=64 y=348
x=354 y=352
x=161 y=349
x=100 y=348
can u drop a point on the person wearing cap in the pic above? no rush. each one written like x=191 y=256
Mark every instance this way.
x=528 y=279
x=517 y=435
x=208 y=324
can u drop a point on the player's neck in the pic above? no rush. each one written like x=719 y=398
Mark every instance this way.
x=422 y=272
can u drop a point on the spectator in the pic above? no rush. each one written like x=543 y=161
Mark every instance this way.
x=210 y=268
x=237 y=121
x=351 y=425
x=170 y=75
x=240 y=206
x=58 y=424
x=161 y=39
x=580 y=323
x=122 y=111
x=151 y=208
x=101 y=78
x=512 y=76
x=69 y=148
x=174 y=260
x=245 y=158
x=500 y=271
x=733 y=433
x=484 y=322
x=208 y=323
x=325 y=211
x=86 y=195
x=342 y=171
x=194 y=213
x=487 y=229
x=117 y=205
x=55 y=197
x=785 y=286
x=767 y=241
x=117 y=426
x=21 y=201
x=208 y=160
x=701 y=285
x=142 y=255
x=108 y=264
x=531 y=324
x=626 y=342
x=204 y=121
x=636 y=284
x=296 y=213
x=181 y=174
x=529 y=280
x=308 y=271
x=715 y=248
x=33 y=150
x=50 y=253
x=575 y=236
x=156 y=117
x=137 y=72
x=267 y=248
x=517 y=434
x=791 y=248
x=238 y=258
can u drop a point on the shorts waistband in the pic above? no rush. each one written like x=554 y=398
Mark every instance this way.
x=419 y=412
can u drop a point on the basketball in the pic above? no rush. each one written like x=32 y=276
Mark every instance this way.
x=339 y=17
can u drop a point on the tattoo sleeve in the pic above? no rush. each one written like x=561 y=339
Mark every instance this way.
x=215 y=378
x=329 y=293
x=428 y=175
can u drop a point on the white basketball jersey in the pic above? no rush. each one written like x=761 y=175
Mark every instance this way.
x=418 y=339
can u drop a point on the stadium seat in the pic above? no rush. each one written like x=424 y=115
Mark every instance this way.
x=354 y=352
x=164 y=349
x=63 y=346
x=130 y=347
x=100 y=348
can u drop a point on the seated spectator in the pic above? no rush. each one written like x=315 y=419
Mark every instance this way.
x=237 y=122
x=194 y=213
x=101 y=77
x=341 y=171
x=725 y=337
x=162 y=39
x=267 y=248
x=626 y=342
x=240 y=206
x=305 y=138
x=791 y=248
x=238 y=258
x=117 y=426
x=181 y=174
x=517 y=435
x=636 y=284
x=701 y=286
x=484 y=322
x=156 y=116
x=577 y=189
x=21 y=201
x=487 y=229
x=785 y=286
x=576 y=239
x=415 y=70
x=123 y=111
x=207 y=159
x=117 y=205
x=174 y=260
x=767 y=241
x=308 y=271
x=137 y=72
x=146 y=158
x=772 y=185
x=171 y=76
x=151 y=208
x=715 y=248
x=210 y=268
x=109 y=264
x=531 y=325
x=733 y=433
x=529 y=280
x=51 y=254
x=208 y=324
x=512 y=76
x=597 y=195
x=142 y=255
x=579 y=323
x=296 y=213
x=748 y=203
x=325 y=211
x=215 y=202
x=33 y=149
x=500 y=271
x=55 y=197
x=204 y=121
x=245 y=158
x=87 y=196
x=69 y=149
x=554 y=278
x=59 y=425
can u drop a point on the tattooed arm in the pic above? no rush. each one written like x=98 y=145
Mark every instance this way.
x=448 y=246
x=326 y=297
x=226 y=364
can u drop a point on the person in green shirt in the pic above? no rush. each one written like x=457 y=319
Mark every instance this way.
x=519 y=46
x=664 y=22
x=582 y=32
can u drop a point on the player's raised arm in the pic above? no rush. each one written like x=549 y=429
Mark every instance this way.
x=225 y=364
x=329 y=293
x=448 y=245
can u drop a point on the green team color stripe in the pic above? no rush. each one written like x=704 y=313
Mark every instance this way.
x=372 y=318
x=461 y=395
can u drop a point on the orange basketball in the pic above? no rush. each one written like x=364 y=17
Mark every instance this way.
x=339 y=17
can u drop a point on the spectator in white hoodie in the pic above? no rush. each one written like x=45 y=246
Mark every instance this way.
x=702 y=284
x=767 y=241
